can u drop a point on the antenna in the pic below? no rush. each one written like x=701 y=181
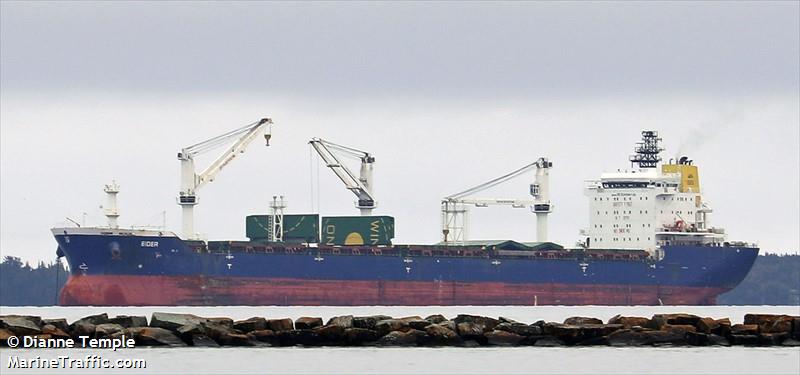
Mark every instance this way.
x=647 y=150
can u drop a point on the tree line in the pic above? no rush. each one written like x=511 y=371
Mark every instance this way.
x=773 y=280
x=23 y=285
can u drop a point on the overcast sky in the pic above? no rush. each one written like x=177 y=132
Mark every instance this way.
x=446 y=95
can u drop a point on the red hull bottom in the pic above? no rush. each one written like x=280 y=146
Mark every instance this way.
x=195 y=290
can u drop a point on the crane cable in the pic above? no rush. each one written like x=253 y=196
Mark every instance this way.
x=349 y=151
x=493 y=182
x=215 y=142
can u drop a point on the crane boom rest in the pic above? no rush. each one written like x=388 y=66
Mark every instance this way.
x=361 y=186
x=455 y=215
x=192 y=181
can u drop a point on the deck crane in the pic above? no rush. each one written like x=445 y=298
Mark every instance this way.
x=361 y=186
x=192 y=181
x=455 y=213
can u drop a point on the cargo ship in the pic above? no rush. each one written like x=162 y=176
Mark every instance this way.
x=649 y=242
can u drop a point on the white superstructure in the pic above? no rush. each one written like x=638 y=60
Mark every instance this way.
x=649 y=206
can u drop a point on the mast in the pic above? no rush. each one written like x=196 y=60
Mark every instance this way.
x=110 y=210
x=647 y=150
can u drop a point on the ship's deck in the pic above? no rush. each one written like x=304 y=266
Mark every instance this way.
x=421 y=251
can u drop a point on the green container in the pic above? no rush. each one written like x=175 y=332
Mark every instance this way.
x=296 y=228
x=357 y=230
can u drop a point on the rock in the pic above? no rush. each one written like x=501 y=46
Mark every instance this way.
x=579 y=320
x=780 y=325
x=345 y=321
x=744 y=329
x=107 y=329
x=369 y=322
x=266 y=336
x=418 y=324
x=530 y=340
x=503 y=319
x=593 y=341
x=203 y=341
x=421 y=336
x=796 y=328
x=212 y=330
x=331 y=334
x=237 y=339
x=129 y=321
x=435 y=319
x=660 y=320
x=470 y=344
x=224 y=322
x=696 y=339
x=308 y=322
x=441 y=335
x=172 y=322
x=549 y=342
x=191 y=330
x=747 y=340
x=410 y=318
x=769 y=323
x=627 y=337
x=252 y=324
x=58 y=323
x=399 y=338
x=791 y=342
x=55 y=332
x=21 y=324
x=390 y=325
x=718 y=340
x=187 y=332
x=772 y=339
x=94 y=319
x=215 y=330
x=564 y=332
x=487 y=323
x=82 y=329
x=4 y=335
x=280 y=324
x=503 y=338
x=449 y=324
x=678 y=328
x=587 y=334
x=302 y=337
x=154 y=336
x=724 y=328
x=360 y=336
x=629 y=321
x=706 y=325
x=593 y=331
x=470 y=331
x=519 y=328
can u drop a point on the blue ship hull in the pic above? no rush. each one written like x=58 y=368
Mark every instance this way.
x=141 y=269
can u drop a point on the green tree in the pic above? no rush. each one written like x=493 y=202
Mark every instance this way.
x=773 y=280
x=23 y=285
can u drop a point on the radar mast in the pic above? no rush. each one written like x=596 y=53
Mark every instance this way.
x=647 y=150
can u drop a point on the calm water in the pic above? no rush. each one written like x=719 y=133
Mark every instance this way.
x=523 y=360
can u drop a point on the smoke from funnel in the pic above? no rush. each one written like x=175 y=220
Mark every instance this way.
x=707 y=131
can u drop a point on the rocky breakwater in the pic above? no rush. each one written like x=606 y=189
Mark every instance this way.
x=182 y=330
